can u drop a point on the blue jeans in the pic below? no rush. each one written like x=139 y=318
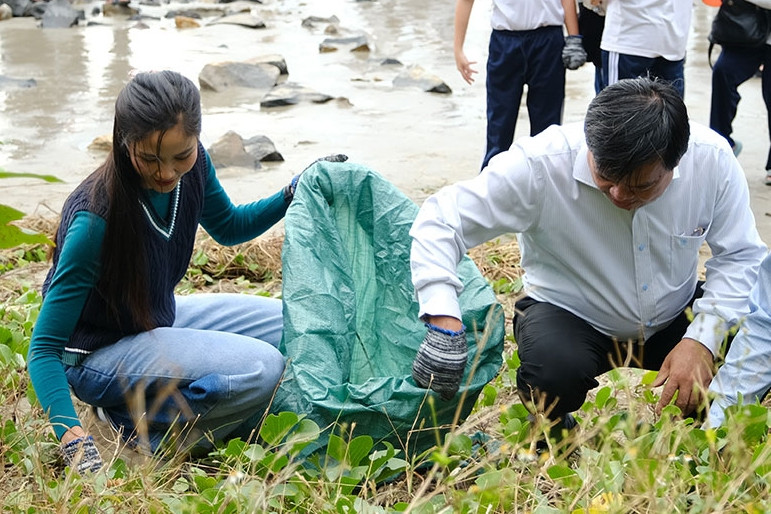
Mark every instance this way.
x=215 y=370
x=616 y=66
x=734 y=67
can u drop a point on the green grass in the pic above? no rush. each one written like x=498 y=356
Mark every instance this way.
x=623 y=458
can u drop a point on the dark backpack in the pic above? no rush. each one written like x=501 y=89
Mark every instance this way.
x=739 y=24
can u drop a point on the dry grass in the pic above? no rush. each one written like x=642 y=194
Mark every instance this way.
x=233 y=267
x=259 y=261
x=498 y=259
x=258 y=264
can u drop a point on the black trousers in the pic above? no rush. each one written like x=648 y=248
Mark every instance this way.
x=561 y=354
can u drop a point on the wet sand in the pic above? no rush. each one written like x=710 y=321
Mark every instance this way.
x=420 y=141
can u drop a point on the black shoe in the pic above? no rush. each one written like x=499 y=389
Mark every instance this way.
x=557 y=433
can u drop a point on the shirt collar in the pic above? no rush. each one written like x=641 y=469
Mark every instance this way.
x=583 y=174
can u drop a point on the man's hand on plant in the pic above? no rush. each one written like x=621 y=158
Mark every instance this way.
x=687 y=370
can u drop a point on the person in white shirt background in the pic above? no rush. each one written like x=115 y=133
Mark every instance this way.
x=609 y=215
x=646 y=38
x=527 y=47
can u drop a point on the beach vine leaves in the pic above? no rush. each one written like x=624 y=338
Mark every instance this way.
x=11 y=235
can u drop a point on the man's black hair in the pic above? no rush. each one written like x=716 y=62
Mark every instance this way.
x=636 y=122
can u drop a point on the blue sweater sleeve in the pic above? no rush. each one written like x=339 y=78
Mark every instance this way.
x=231 y=224
x=76 y=274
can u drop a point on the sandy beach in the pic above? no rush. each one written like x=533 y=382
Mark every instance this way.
x=420 y=141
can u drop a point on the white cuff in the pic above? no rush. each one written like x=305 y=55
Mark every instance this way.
x=439 y=300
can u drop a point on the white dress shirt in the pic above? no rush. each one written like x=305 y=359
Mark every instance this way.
x=627 y=273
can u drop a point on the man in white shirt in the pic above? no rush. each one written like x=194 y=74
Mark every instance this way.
x=646 y=37
x=610 y=217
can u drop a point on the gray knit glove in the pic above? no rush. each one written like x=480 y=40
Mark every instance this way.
x=82 y=454
x=441 y=360
x=290 y=188
x=573 y=53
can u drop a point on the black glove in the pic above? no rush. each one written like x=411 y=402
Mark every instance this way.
x=441 y=360
x=82 y=454
x=290 y=188
x=573 y=53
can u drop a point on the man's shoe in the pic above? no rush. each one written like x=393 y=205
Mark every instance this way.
x=569 y=422
x=768 y=177
x=556 y=433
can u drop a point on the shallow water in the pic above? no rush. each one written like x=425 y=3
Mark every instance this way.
x=418 y=140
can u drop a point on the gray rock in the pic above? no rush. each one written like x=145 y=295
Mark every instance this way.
x=19 y=7
x=229 y=151
x=236 y=7
x=390 y=61
x=290 y=93
x=355 y=43
x=183 y=22
x=119 y=9
x=416 y=76
x=101 y=143
x=60 y=15
x=36 y=10
x=143 y=17
x=274 y=60
x=6 y=12
x=243 y=19
x=262 y=149
x=223 y=75
x=311 y=21
x=332 y=30
x=200 y=10
x=12 y=83
x=173 y=13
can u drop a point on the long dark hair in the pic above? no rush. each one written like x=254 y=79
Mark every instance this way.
x=150 y=102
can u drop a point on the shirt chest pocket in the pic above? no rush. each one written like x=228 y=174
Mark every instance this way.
x=684 y=256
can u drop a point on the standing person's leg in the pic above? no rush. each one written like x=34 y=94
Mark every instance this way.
x=616 y=66
x=545 y=78
x=766 y=85
x=219 y=373
x=505 y=81
x=591 y=26
x=732 y=68
x=671 y=71
x=560 y=357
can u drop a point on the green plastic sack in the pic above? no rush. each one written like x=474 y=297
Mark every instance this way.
x=351 y=327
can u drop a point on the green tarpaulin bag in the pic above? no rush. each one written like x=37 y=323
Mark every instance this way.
x=351 y=327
